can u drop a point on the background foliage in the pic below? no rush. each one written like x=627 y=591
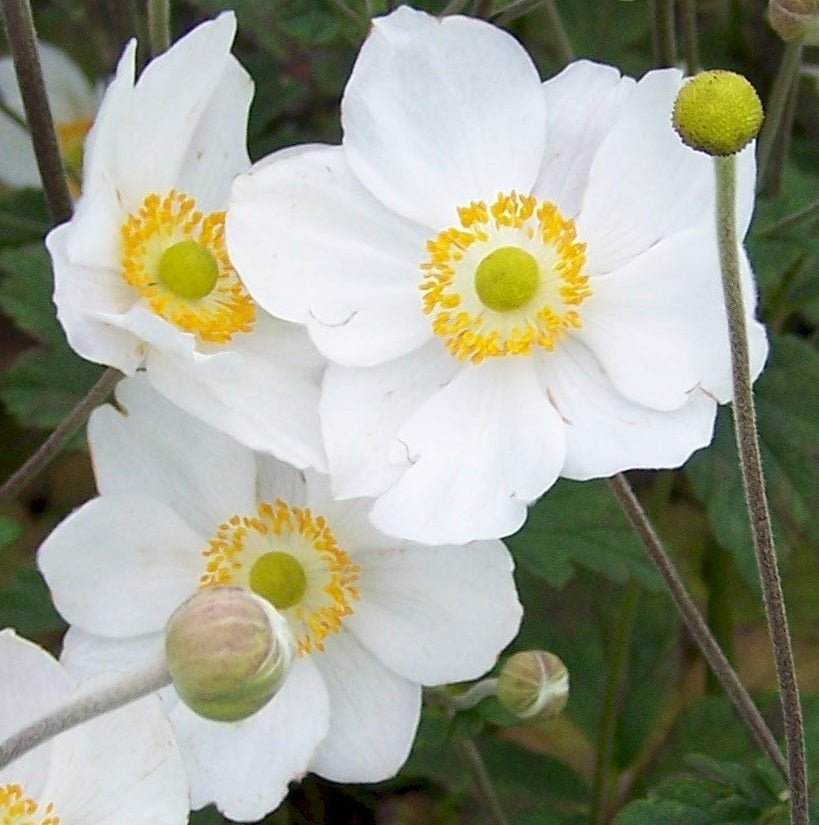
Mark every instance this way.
x=647 y=737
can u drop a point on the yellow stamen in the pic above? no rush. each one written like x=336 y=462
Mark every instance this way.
x=505 y=281
x=17 y=809
x=279 y=529
x=161 y=223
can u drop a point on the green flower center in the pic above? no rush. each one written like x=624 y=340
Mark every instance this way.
x=188 y=269
x=507 y=278
x=279 y=578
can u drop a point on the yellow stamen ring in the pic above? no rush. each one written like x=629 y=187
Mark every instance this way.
x=508 y=279
x=162 y=223
x=16 y=809
x=329 y=587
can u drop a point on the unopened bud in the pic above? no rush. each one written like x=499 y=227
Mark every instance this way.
x=717 y=112
x=533 y=684
x=795 y=20
x=228 y=652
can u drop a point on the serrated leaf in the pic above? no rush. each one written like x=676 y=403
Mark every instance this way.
x=580 y=524
x=26 y=606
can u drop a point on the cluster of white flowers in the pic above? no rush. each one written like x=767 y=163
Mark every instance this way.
x=352 y=368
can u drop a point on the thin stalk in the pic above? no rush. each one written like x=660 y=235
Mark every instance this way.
x=560 y=39
x=115 y=693
x=474 y=694
x=809 y=211
x=611 y=700
x=716 y=572
x=22 y=39
x=775 y=172
x=690 y=36
x=663 y=35
x=694 y=622
x=514 y=10
x=483 y=9
x=755 y=496
x=159 y=25
x=775 y=109
x=58 y=438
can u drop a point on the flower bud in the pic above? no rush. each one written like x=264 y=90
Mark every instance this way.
x=533 y=684
x=717 y=112
x=228 y=652
x=795 y=20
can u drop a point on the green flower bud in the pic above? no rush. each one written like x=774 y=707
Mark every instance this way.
x=533 y=684
x=795 y=20
x=228 y=652
x=717 y=112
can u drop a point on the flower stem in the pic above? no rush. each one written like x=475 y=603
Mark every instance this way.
x=694 y=622
x=22 y=39
x=690 y=38
x=664 y=39
x=475 y=694
x=561 y=42
x=608 y=717
x=755 y=496
x=57 y=440
x=777 y=104
x=159 y=25
x=114 y=693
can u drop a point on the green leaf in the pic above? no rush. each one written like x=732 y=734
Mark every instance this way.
x=23 y=217
x=26 y=606
x=581 y=524
x=9 y=531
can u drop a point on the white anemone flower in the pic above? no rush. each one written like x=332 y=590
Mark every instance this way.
x=73 y=101
x=142 y=278
x=122 y=768
x=512 y=280
x=183 y=507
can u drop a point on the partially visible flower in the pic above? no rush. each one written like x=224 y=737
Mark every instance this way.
x=122 y=768
x=142 y=277
x=373 y=618
x=513 y=280
x=73 y=101
x=795 y=20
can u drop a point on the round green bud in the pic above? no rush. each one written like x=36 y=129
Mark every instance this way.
x=188 y=270
x=717 y=112
x=533 y=684
x=795 y=20
x=506 y=278
x=228 y=652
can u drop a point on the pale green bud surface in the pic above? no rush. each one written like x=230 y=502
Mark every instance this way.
x=228 y=653
x=533 y=684
x=795 y=20
x=279 y=578
x=188 y=270
x=717 y=112
x=506 y=278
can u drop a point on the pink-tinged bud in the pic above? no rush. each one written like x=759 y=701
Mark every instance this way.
x=533 y=684
x=795 y=20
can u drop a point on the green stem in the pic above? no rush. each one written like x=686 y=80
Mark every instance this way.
x=755 y=496
x=663 y=36
x=116 y=692
x=716 y=572
x=775 y=172
x=159 y=25
x=560 y=40
x=690 y=38
x=474 y=694
x=694 y=622
x=22 y=39
x=775 y=110
x=611 y=700
x=57 y=440
x=795 y=218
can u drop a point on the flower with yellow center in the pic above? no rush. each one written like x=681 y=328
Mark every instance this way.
x=142 y=276
x=122 y=768
x=373 y=618
x=513 y=280
x=73 y=101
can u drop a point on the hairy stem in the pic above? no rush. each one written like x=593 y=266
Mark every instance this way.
x=159 y=25
x=690 y=37
x=663 y=34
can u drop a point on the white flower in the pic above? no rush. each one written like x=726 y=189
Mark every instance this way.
x=513 y=280
x=142 y=278
x=73 y=102
x=122 y=768
x=184 y=507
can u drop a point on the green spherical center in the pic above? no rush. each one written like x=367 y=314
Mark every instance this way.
x=279 y=578
x=188 y=270
x=506 y=278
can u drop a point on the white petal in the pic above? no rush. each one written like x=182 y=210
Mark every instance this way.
x=605 y=432
x=313 y=246
x=362 y=410
x=245 y=767
x=155 y=449
x=439 y=112
x=261 y=388
x=373 y=714
x=657 y=324
x=120 y=565
x=481 y=449
x=582 y=103
x=122 y=768
x=644 y=183
x=436 y=614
